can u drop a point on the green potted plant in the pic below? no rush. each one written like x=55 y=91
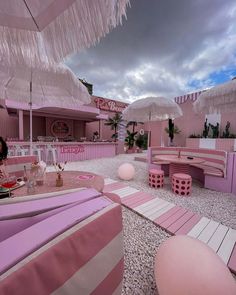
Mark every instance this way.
x=140 y=143
x=130 y=140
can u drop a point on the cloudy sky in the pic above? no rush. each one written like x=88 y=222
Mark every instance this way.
x=164 y=48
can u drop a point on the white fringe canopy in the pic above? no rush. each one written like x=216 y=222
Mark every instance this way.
x=51 y=30
x=152 y=109
x=51 y=86
x=221 y=98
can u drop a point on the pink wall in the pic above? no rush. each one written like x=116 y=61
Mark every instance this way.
x=79 y=129
x=189 y=123
x=9 y=126
x=39 y=126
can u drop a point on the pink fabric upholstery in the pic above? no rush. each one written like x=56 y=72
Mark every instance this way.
x=33 y=207
x=87 y=258
x=41 y=232
x=213 y=158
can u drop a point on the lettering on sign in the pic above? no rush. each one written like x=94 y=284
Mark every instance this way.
x=110 y=105
x=72 y=149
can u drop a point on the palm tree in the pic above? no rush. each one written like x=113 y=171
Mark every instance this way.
x=133 y=124
x=114 y=122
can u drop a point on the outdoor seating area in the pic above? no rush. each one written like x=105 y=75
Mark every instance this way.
x=49 y=202
x=212 y=168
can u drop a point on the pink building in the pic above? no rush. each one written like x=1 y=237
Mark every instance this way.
x=81 y=123
x=57 y=122
x=191 y=123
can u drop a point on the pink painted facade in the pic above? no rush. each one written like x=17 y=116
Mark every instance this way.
x=190 y=123
x=84 y=121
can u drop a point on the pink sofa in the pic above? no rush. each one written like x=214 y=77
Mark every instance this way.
x=71 y=244
x=214 y=173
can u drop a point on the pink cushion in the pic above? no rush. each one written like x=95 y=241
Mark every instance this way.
x=43 y=231
x=155 y=171
x=209 y=170
x=182 y=176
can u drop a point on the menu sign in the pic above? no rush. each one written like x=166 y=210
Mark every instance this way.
x=110 y=105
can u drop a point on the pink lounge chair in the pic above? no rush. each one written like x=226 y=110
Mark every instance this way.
x=75 y=248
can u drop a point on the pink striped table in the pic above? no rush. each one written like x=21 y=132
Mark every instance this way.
x=178 y=221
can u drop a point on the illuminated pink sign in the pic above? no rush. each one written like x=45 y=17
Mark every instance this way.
x=72 y=149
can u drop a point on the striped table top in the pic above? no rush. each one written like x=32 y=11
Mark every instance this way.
x=177 y=220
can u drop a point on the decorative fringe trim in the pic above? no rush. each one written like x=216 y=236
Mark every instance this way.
x=221 y=98
x=80 y=26
x=152 y=109
x=51 y=85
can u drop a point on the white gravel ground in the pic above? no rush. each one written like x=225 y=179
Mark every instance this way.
x=142 y=237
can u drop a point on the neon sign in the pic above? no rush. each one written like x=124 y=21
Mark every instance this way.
x=110 y=105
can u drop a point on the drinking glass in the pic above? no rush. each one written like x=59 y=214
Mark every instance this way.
x=8 y=183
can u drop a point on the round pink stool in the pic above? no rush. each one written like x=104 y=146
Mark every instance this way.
x=181 y=184
x=156 y=178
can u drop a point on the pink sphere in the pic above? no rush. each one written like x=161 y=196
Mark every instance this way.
x=185 y=265
x=126 y=171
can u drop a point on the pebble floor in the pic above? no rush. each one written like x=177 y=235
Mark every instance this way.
x=141 y=237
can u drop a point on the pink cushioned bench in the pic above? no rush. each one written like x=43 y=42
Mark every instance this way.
x=217 y=165
x=77 y=250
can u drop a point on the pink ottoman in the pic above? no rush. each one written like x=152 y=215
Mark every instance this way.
x=181 y=184
x=156 y=178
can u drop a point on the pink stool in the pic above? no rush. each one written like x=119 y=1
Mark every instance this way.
x=181 y=184
x=156 y=178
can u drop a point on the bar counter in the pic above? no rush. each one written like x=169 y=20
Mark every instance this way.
x=67 y=151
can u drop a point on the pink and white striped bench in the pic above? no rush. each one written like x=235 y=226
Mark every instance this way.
x=215 y=172
x=15 y=165
x=76 y=248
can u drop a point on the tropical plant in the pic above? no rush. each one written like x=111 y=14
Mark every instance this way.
x=133 y=124
x=114 y=123
x=130 y=139
x=141 y=141
x=172 y=130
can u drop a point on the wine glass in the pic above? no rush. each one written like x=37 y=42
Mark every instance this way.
x=8 y=183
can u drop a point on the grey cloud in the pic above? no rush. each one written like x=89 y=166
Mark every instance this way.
x=160 y=48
